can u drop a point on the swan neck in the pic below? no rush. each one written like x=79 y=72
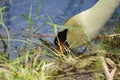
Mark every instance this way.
x=96 y=17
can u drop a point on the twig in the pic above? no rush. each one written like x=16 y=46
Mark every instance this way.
x=109 y=75
x=42 y=35
x=4 y=43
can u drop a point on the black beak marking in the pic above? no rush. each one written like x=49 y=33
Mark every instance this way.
x=61 y=36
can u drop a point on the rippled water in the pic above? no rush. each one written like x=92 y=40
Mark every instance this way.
x=59 y=10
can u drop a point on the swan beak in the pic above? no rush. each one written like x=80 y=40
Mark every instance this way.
x=62 y=48
x=60 y=41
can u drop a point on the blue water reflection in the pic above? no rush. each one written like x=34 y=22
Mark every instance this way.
x=60 y=10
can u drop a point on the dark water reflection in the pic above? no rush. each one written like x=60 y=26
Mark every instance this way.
x=60 y=10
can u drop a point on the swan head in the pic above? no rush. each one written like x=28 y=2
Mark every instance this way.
x=69 y=39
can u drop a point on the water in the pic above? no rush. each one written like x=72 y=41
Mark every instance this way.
x=59 y=10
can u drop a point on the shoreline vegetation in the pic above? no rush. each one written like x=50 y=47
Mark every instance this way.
x=102 y=63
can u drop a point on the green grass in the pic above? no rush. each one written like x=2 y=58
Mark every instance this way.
x=28 y=66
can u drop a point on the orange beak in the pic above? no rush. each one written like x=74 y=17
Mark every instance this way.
x=62 y=47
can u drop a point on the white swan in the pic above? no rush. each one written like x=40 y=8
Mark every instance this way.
x=87 y=24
